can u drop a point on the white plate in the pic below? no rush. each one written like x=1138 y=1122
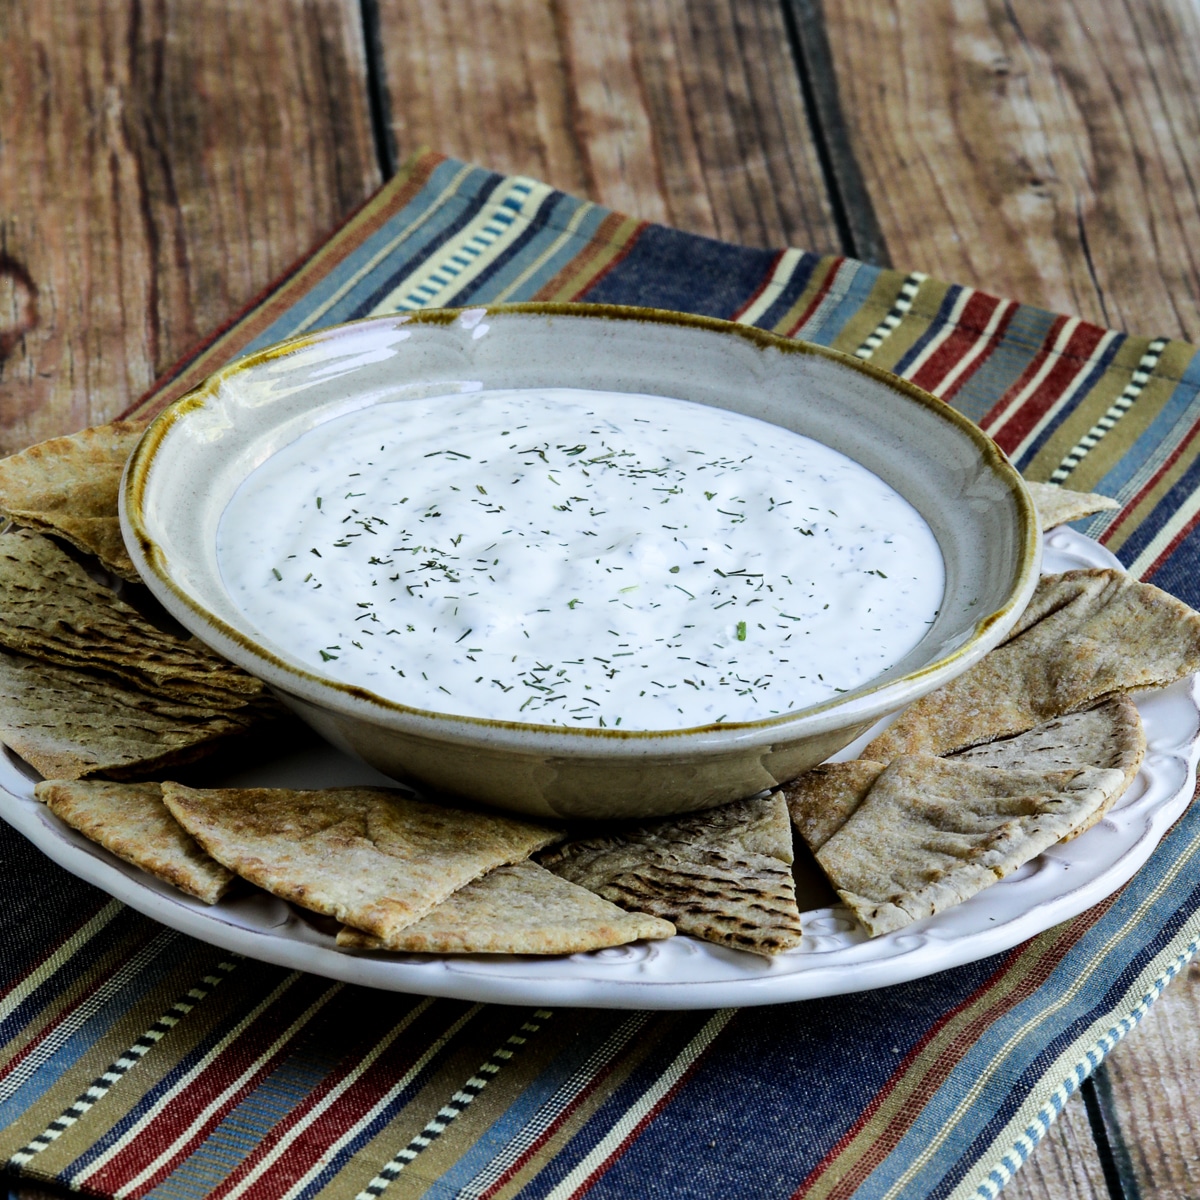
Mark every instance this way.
x=834 y=957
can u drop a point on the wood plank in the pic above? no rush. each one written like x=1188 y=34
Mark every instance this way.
x=1065 y=1165
x=675 y=112
x=1042 y=151
x=1148 y=1093
x=161 y=164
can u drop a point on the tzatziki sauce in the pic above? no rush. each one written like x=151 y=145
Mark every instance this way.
x=588 y=559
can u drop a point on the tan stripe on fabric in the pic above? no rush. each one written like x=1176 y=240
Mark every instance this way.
x=220 y=1010
x=471 y=1047
x=1065 y=1066
x=95 y=1060
x=1045 y=1015
x=1090 y=409
x=611 y=239
x=926 y=306
x=879 y=302
x=821 y=277
x=59 y=1005
x=907 y=1095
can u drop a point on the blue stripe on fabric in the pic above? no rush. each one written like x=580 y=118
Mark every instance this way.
x=847 y=308
x=669 y=1034
x=769 y=1066
x=1167 y=429
x=1026 y=334
x=577 y=241
x=801 y=276
x=123 y=926
x=1020 y=1086
x=544 y=227
x=716 y=283
x=984 y=1114
x=465 y=208
x=343 y=1033
x=449 y=1012
x=1081 y=394
x=412 y=247
x=48 y=901
x=175 y=954
x=949 y=300
x=598 y=1027
x=255 y=982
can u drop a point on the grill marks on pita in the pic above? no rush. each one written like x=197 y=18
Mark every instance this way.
x=68 y=486
x=722 y=875
x=90 y=687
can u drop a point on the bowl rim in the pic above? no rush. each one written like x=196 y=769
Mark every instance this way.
x=864 y=704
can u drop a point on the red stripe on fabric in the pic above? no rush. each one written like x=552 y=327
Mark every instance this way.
x=346 y=1112
x=976 y=364
x=916 y=1099
x=1073 y=360
x=187 y=1106
x=420 y=170
x=1170 y=549
x=551 y=1129
x=636 y=1132
x=967 y=332
x=1022 y=381
x=762 y=287
x=101 y=977
x=834 y=267
x=1131 y=505
x=55 y=947
x=616 y=260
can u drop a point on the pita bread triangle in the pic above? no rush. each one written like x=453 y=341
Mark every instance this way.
x=68 y=486
x=376 y=859
x=1057 y=505
x=1085 y=636
x=51 y=609
x=721 y=875
x=932 y=832
x=517 y=909
x=131 y=820
x=68 y=724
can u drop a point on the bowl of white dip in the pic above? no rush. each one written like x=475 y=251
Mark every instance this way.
x=576 y=561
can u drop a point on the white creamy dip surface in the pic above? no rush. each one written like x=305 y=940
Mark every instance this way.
x=581 y=558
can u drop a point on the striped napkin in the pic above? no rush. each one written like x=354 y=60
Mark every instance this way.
x=135 y=1061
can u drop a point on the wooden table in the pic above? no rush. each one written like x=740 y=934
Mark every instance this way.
x=161 y=162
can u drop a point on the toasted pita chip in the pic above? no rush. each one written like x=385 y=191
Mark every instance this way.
x=720 y=875
x=821 y=800
x=1058 y=505
x=377 y=860
x=70 y=725
x=52 y=610
x=1085 y=636
x=1110 y=735
x=68 y=486
x=518 y=909
x=932 y=832
x=131 y=820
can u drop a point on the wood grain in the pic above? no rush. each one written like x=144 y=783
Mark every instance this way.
x=160 y=164
x=1065 y=1165
x=1043 y=151
x=1150 y=1096
x=689 y=114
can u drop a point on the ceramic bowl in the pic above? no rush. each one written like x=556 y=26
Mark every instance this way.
x=199 y=450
